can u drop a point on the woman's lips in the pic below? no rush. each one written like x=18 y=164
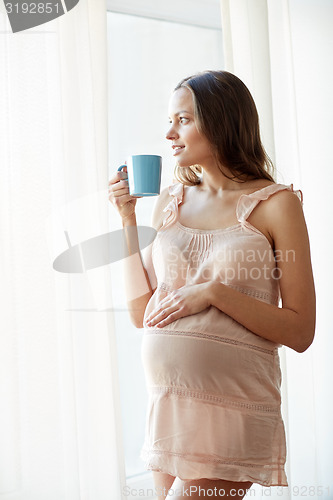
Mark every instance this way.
x=177 y=149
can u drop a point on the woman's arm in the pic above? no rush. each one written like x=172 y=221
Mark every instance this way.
x=292 y=325
x=138 y=286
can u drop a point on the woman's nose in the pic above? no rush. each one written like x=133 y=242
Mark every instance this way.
x=171 y=134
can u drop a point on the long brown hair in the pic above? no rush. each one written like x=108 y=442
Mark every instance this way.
x=227 y=116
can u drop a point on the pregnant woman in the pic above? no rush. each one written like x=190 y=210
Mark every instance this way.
x=226 y=282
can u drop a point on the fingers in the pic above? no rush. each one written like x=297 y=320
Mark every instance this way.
x=119 y=186
x=120 y=201
x=162 y=311
x=169 y=319
x=118 y=176
x=164 y=317
x=119 y=190
x=119 y=196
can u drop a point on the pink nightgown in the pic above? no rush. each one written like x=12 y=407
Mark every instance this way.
x=214 y=406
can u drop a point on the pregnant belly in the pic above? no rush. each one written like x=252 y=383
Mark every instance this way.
x=210 y=365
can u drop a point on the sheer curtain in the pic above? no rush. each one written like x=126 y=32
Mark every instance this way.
x=59 y=416
x=282 y=50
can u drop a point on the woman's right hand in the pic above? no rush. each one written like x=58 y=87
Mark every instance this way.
x=119 y=194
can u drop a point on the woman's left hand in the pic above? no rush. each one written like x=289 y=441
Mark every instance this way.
x=190 y=299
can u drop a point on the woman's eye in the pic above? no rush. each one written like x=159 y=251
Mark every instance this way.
x=182 y=119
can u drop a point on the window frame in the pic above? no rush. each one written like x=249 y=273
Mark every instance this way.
x=204 y=14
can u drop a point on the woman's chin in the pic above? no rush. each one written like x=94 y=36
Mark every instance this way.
x=183 y=164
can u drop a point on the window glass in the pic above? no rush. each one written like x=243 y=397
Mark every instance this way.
x=147 y=58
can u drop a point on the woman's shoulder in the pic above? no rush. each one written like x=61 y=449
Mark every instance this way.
x=285 y=200
x=282 y=206
x=270 y=190
x=278 y=202
x=279 y=194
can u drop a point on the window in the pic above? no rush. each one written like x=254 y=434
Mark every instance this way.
x=148 y=55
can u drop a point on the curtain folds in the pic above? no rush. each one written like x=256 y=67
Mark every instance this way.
x=246 y=52
x=60 y=414
x=281 y=49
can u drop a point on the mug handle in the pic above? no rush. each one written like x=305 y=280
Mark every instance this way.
x=121 y=167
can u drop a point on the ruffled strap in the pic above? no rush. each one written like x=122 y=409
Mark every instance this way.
x=247 y=202
x=176 y=190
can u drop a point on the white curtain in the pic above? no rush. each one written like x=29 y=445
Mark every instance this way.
x=282 y=50
x=60 y=417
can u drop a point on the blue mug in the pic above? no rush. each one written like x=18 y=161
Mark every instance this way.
x=144 y=174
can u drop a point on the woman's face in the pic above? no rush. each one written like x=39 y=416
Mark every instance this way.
x=189 y=146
